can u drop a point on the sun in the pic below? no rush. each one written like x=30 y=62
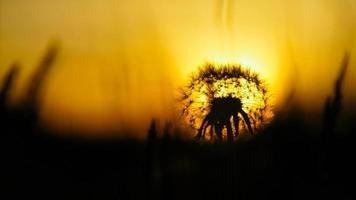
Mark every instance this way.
x=226 y=82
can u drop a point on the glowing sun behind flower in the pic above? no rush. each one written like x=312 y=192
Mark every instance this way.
x=225 y=83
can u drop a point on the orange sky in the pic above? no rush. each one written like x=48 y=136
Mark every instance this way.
x=121 y=61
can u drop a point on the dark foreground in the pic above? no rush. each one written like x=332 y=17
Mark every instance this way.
x=288 y=160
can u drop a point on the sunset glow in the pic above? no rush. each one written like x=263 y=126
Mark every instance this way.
x=178 y=99
x=113 y=54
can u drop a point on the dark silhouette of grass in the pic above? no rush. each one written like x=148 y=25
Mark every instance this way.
x=8 y=84
x=41 y=73
x=31 y=104
x=281 y=162
x=332 y=109
x=333 y=104
x=5 y=91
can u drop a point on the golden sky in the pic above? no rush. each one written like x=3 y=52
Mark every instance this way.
x=121 y=62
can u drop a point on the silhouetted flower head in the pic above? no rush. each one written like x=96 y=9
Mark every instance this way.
x=226 y=80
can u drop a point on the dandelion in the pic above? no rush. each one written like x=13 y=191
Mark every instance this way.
x=218 y=97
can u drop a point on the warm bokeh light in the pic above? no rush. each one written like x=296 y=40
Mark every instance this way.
x=121 y=62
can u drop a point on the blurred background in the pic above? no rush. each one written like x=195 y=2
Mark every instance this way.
x=120 y=63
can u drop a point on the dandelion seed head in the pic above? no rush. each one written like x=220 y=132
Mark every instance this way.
x=213 y=81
